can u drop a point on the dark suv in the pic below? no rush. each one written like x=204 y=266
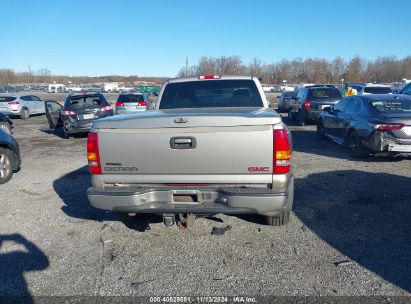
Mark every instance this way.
x=310 y=101
x=78 y=112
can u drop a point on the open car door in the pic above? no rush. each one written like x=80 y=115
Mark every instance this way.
x=53 y=113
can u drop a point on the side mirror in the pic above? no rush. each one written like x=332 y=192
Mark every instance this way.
x=327 y=109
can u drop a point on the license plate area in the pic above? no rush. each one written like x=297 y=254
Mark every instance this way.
x=186 y=197
x=88 y=116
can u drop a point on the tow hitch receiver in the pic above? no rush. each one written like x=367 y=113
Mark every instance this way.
x=169 y=219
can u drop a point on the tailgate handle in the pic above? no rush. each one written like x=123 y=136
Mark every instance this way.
x=183 y=143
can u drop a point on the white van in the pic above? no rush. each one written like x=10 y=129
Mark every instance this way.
x=56 y=88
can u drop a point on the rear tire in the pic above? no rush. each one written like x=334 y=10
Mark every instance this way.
x=279 y=220
x=320 y=129
x=6 y=170
x=301 y=119
x=125 y=217
x=6 y=126
x=291 y=115
x=357 y=150
x=65 y=134
x=25 y=113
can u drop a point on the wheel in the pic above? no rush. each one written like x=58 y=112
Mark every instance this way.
x=125 y=217
x=301 y=119
x=279 y=220
x=25 y=113
x=320 y=129
x=6 y=127
x=66 y=135
x=291 y=116
x=355 y=147
x=6 y=171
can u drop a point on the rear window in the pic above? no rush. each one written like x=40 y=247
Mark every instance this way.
x=7 y=98
x=392 y=106
x=288 y=94
x=326 y=93
x=377 y=90
x=81 y=101
x=130 y=98
x=211 y=93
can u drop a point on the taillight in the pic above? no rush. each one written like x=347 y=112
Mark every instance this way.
x=388 y=127
x=206 y=77
x=93 y=155
x=106 y=108
x=119 y=104
x=142 y=104
x=68 y=112
x=307 y=104
x=13 y=103
x=282 y=152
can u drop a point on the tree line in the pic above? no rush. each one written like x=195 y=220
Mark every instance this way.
x=388 y=69
x=44 y=76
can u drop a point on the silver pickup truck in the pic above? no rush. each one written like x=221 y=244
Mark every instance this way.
x=212 y=145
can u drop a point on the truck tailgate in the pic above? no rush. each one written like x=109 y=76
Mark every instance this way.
x=207 y=147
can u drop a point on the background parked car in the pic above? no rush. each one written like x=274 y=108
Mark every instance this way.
x=372 y=88
x=7 y=89
x=285 y=100
x=78 y=112
x=369 y=124
x=128 y=103
x=310 y=100
x=21 y=105
x=5 y=123
x=9 y=156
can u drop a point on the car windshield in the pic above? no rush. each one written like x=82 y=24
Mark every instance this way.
x=377 y=90
x=392 y=106
x=6 y=98
x=325 y=93
x=131 y=98
x=211 y=93
x=81 y=101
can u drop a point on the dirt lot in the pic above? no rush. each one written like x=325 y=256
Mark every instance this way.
x=350 y=232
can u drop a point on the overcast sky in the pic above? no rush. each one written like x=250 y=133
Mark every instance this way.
x=153 y=37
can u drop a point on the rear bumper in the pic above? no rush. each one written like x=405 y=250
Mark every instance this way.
x=283 y=107
x=313 y=114
x=77 y=126
x=123 y=111
x=209 y=201
x=78 y=129
x=7 y=111
x=381 y=143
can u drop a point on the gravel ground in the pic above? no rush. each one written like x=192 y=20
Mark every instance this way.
x=349 y=233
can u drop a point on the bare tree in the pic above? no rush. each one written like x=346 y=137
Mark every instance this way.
x=43 y=75
x=7 y=76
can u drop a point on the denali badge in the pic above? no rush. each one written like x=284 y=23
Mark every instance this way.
x=258 y=169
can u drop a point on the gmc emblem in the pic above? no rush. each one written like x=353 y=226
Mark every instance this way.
x=258 y=169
